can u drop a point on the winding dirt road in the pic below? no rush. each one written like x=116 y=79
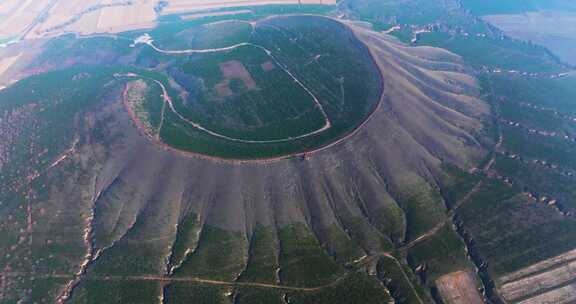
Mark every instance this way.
x=450 y=216
x=159 y=278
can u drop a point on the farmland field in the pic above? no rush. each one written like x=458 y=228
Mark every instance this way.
x=549 y=23
x=551 y=28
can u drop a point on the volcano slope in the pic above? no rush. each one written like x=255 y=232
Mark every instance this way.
x=98 y=207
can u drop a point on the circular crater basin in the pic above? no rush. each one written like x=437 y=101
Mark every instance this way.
x=240 y=90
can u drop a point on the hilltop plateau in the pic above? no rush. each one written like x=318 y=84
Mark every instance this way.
x=121 y=191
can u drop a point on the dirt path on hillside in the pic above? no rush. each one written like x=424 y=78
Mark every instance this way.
x=450 y=216
x=159 y=278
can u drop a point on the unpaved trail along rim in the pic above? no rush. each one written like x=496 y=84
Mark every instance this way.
x=148 y=41
x=306 y=152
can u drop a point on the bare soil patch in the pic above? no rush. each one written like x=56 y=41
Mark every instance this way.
x=233 y=69
x=6 y=63
x=223 y=89
x=268 y=66
x=459 y=288
x=182 y=6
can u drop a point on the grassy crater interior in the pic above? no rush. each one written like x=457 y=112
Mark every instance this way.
x=230 y=89
x=271 y=88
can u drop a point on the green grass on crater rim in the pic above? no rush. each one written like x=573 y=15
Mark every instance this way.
x=268 y=104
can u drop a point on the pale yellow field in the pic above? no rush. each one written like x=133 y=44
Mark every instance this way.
x=62 y=12
x=15 y=16
x=97 y=16
x=106 y=16
x=86 y=25
x=118 y=19
x=8 y=6
x=6 y=63
x=182 y=6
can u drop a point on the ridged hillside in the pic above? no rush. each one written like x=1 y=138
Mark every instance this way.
x=113 y=215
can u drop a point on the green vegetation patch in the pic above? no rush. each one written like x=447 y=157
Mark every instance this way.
x=112 y=216
x=495 y=53
x=247 y=295
x=246 y=95
x=423 y=207
x=355 y=288
x=511 y=231
x=96 y=291
x=132 y=255
x=210 y=35
x=441 y=254
x=144 y=99
x=41 y=116
x=303 y=262
x=142 y=248
x=187 y=237
x=456 y=184
x=380 y=208
x=30 y=289
x=186 y=293
x=219 y=255
x=366 y=235
x=49 y=103
x=557 y=93
x=400 y=281
x=555 y=150
x=531 y=118
x=344 y=249
x=540 y=180
x=262 y=261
